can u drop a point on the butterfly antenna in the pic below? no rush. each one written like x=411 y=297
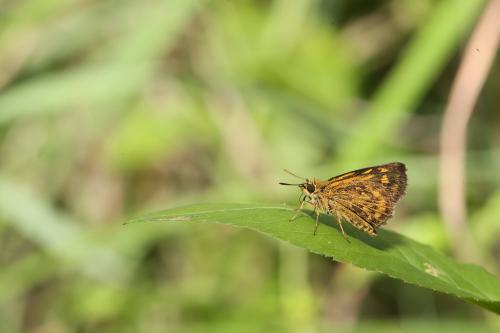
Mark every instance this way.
x=288 y=184
x=293 y=174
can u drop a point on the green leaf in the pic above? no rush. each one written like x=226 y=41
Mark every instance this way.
x=388 y=253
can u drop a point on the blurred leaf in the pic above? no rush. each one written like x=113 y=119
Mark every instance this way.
x=62 y=92
x=57 y=234
x=153 y=28
x=426 y=228
x=30 y=215
x=17 y=276
x=388 y=253
x=288 y=52
x=131 y=61
x=459 y=325
x=150 y=133
x=485 y=222
x=421 y=63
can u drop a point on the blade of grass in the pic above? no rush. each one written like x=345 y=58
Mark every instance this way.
x=420 y=64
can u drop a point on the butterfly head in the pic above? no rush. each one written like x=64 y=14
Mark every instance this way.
x=309 y=187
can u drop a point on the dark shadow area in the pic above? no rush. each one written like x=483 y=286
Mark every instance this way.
x=384 y=240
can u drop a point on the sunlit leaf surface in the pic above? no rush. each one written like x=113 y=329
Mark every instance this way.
x=388 y=253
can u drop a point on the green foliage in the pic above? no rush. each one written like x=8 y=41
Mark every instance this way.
x=420 y=64
x=108 y=108
x=388 y=253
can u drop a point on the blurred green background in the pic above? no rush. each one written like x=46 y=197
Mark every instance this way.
x=113 y=108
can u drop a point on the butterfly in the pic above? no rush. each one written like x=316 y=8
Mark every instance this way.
x=365 y=198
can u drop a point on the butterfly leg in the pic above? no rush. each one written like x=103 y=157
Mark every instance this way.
x=318 y=205
x=342 y=229
x=297 y=211
x=317 y=221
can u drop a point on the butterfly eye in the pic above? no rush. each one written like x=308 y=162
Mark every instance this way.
x=311 y=188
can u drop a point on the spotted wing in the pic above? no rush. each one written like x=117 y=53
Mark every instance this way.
x=366 y=198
